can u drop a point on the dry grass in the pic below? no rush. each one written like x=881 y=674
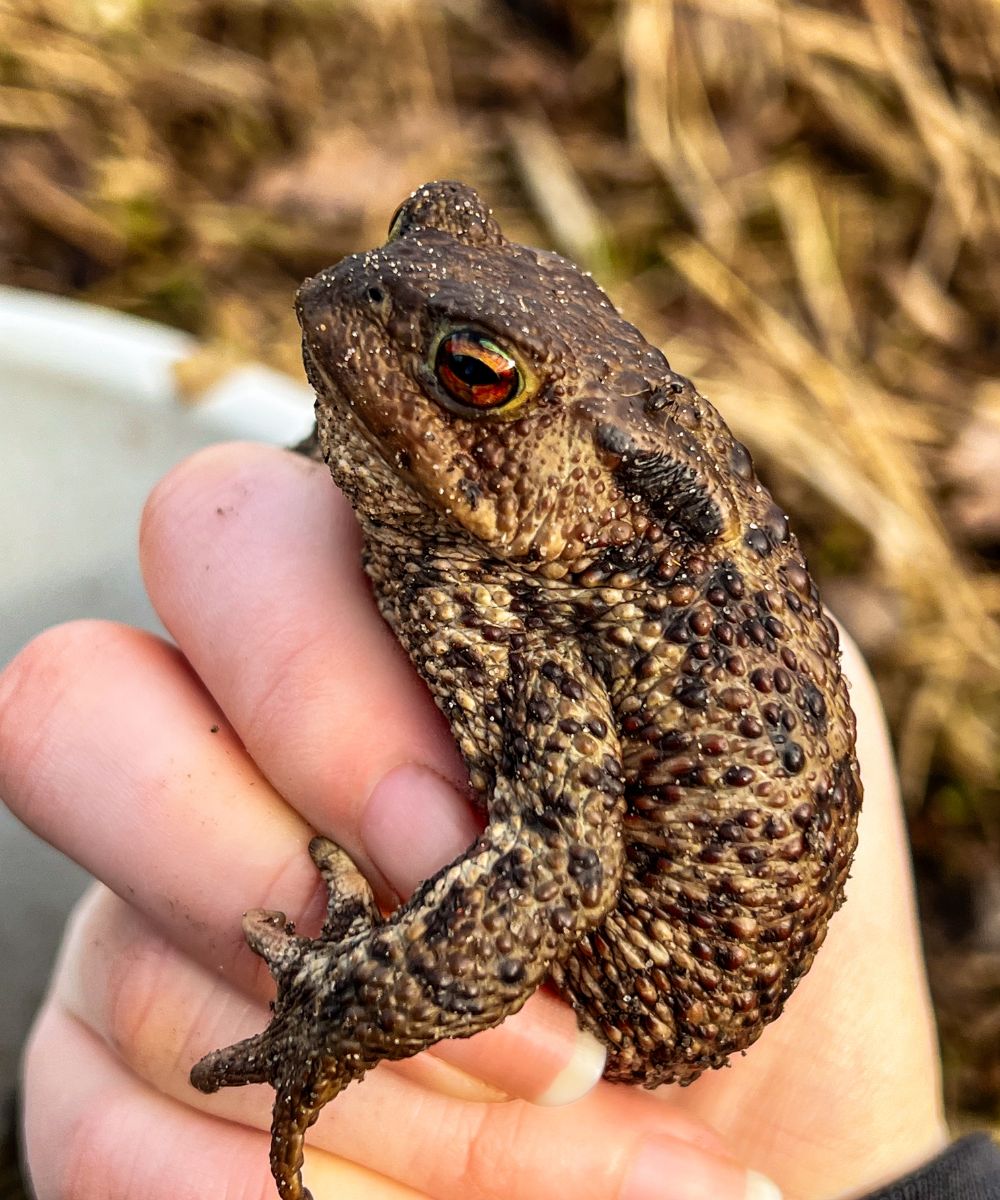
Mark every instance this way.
x=800 y=202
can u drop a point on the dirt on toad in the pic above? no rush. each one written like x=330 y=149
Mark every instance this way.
x=825 y=268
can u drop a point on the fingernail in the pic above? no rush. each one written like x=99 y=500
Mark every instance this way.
x=669 y=1169
x=414 y=823
x=759 y=1187
x=579 y=1075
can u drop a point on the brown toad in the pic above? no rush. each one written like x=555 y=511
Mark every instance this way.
x=612 y=614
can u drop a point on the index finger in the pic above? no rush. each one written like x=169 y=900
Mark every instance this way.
x=252 y=560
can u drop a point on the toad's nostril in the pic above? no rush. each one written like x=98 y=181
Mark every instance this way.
x=312 y=300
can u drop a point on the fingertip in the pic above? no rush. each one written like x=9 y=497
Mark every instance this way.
x=217 y=483
x=189 y=476
x=38 y=664
x=212 y=464
x=40 y=687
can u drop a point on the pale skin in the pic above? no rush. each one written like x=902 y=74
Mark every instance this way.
x=189 y=780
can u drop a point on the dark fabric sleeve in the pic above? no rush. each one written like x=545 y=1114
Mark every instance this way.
x=968 y=1170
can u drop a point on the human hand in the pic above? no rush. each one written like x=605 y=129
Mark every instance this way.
x=190 y=786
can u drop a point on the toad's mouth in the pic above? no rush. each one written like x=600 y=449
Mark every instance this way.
x=333 y=392
x=376 y=479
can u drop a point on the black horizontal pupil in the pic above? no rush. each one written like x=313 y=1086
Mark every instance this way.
x=472 y=371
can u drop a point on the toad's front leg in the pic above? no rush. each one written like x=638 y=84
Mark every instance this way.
x=473 y=943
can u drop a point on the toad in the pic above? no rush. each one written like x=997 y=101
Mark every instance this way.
x=618 y=624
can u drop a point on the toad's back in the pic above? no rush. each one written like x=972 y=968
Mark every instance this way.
x=617 y=622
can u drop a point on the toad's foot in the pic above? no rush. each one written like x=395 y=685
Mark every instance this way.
x=286 y=1053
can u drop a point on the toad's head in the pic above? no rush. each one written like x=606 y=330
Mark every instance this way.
x=467 y=385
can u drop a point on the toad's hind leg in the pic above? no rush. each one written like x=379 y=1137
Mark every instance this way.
x=473 y=942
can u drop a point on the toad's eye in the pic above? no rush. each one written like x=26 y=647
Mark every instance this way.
x=475 y=371
x=395 y=223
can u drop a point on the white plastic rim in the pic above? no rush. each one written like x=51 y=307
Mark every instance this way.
x=98 y=348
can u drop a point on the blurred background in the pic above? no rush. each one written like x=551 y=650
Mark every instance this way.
x=800 y=202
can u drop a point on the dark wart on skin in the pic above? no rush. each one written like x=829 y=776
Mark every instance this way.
x=618 y=624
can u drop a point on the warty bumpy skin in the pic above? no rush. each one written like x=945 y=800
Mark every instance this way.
x=618 y=624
